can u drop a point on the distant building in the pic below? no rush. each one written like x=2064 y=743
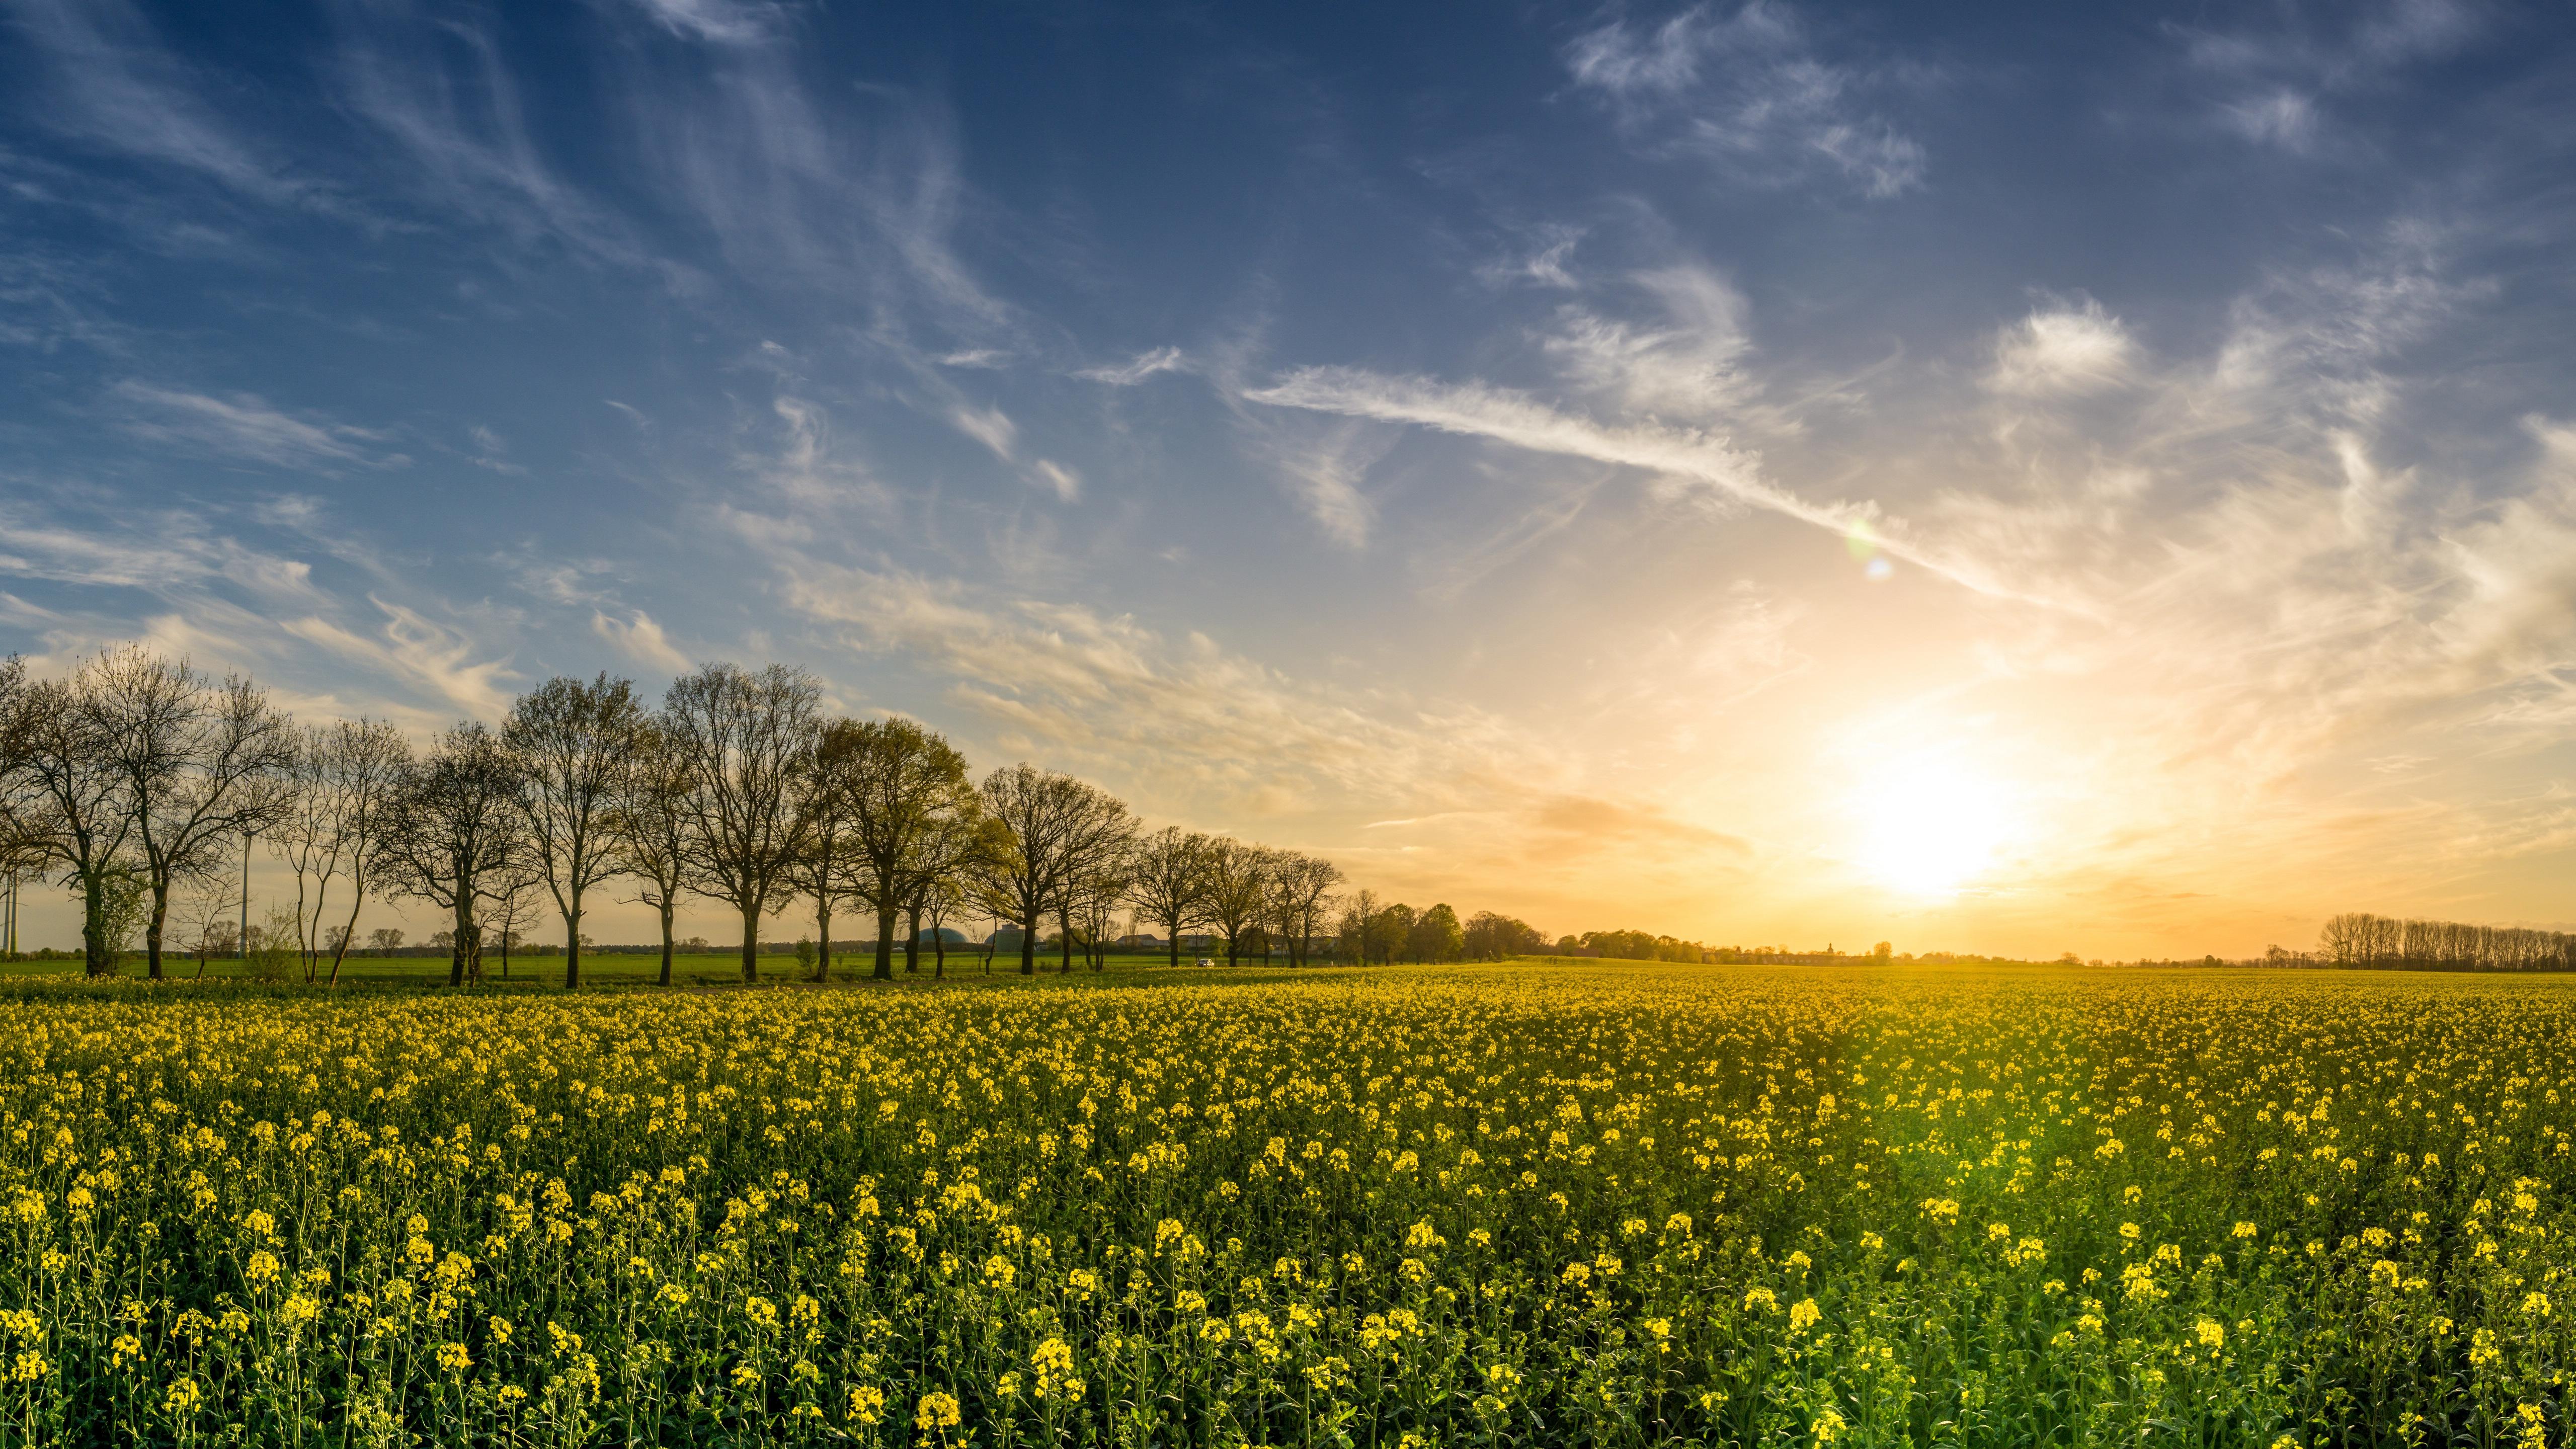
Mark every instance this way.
x=1146 y=942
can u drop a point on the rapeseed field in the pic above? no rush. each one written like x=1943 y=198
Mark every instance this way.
x=1513 y=1206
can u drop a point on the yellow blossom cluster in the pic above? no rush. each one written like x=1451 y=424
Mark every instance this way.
x=1472 y=1205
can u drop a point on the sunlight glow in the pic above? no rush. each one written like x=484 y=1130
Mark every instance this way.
x=1929 y=827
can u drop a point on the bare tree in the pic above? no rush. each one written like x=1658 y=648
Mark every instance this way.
x=367 y=763
x=196 y=761
x=519 y=892
x=67 y=802
x=338 y=790
x=650 y=825
x=1169 y=883
x=16 y=857
x=902 y=786
x=1238 y=890
x=748 y=738
x=454 y=834
x=306 y=835
x=945 y=897
x=824 y=871
x=572 y=741
x=1100 y=887
x=1038 y=820
x=203 y=915
x=1301 y=896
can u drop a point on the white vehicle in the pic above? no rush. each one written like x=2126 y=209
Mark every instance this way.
x=1207 y=961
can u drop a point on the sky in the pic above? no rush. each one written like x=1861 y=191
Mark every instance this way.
x=2013 y=479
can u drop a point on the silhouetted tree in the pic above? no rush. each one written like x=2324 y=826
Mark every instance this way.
x=1168 y=883
x=902 y=785
x=572 y=741
x=748 y=738
x=454 y=835
x=197 y=762
x=650 y=825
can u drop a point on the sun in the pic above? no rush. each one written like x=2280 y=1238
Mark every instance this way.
x=1929 y=827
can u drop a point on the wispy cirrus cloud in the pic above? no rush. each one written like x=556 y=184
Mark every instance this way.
x=117 y=86
x=1702 y=464
x=247 y=427
x=2284 y=74
x=1747 y=89
x=2063 y=350
x=717 y=22
x=641 y=639
x=1137 y=369
x=415 y=650
x=441 y=91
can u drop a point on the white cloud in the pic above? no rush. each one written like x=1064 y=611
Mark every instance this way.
x=641 y=639
x=1541 y=263
x=119 y=87
x=491 y=451
x=2284 y=118
x=421 y=653
x=1141 y=367
x=246 y=427
x=1066 y=483
x=2063 y=351
x=1695 y=463
x=1326 y=480
x=464 y=135
x=719 y=22
x=988 y=426
x=1748 y=91
x=1688 y=367
x=2283 y=67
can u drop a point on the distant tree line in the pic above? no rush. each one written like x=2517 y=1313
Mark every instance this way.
x=1635 y=946
x=138 y=783
x=2364 y=941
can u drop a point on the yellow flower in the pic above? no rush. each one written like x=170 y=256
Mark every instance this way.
x=937 y=1410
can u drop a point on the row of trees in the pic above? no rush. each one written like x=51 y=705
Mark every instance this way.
x=137 y=782
x=1635 y=946
x=2359 y=939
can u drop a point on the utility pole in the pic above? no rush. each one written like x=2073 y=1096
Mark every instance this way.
x=10 y=949
x=243 y=944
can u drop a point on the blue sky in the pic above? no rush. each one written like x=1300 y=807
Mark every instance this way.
x=2025 y=478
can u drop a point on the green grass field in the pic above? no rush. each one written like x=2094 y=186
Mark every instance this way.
x=1537 y=1203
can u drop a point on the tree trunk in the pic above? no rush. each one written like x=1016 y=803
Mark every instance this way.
x=912 y=941
x=152 y=929
x=1064 y=939
x=885 y=943
x=463 y=940
x=1232 y=944
x=938 y=952
x=348 y=932
x=572 y=945
x=95 y=958
x=751 y=943
x=666 y=938
x=1029 y=942
x=1175 y=928
x=823 y=928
